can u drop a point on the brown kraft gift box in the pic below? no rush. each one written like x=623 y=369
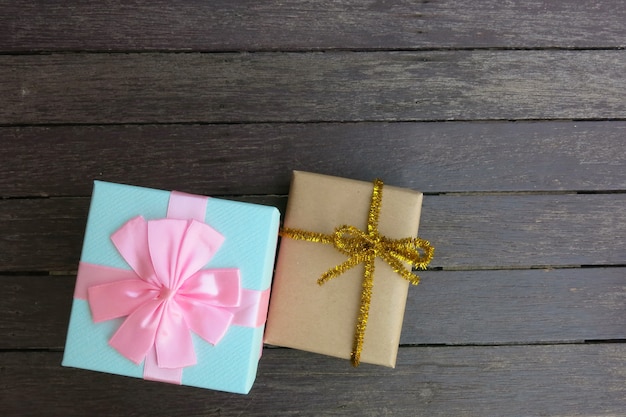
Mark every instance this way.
x=321 y=318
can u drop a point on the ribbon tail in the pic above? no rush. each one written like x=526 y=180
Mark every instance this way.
x=399 y=268
x=152 y=371
x=173 y=342
x=364 y=310
x=135 y=337
x=340 y=269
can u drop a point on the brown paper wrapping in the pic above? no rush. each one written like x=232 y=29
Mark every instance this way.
x=322 y=319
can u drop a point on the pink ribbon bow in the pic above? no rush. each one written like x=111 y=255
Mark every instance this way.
x=167 y=293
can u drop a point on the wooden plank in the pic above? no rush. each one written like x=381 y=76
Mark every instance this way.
x=258 y=158
x=35 y=311
x=525 y=230
x=296 y=87
x=468 y=231
x=39 y=234
x=581 y=380
x=448 y=307
x=37 y=25
x=516 y=306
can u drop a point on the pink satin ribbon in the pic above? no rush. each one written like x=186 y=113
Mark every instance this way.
x=167 y=293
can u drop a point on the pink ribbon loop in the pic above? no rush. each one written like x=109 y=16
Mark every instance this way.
x=168 y=294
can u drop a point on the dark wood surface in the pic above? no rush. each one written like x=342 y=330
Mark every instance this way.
x=541 y=156
x=310 y=87
x=286 y=25
x=510 y=117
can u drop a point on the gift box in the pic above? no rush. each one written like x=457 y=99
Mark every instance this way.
x=344 y=267
x=172 y=287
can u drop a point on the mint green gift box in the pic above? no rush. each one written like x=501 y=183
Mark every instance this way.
x=250 y=235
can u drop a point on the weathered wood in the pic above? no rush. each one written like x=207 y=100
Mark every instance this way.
x=338 y=86
x=98 y=90
x=459 y=381
x=35 y=311
x=37 y=25
x=448 y=307
x=258 y=158
x=468 y=231
x=525 y=230
x=516 y=306
x=44 y=234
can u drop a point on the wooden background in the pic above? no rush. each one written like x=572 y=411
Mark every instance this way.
x=510 y=117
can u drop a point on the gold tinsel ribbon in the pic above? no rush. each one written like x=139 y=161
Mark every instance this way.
x=364 y=247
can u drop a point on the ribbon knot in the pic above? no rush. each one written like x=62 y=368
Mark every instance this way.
x=364 y=247
x=166 y=294
x=350 y=239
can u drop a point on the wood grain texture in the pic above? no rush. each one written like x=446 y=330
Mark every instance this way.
x=448 y=307
x=468 y=231
x=37 y=25
x=35 y=311
x=565 y=380
x=525 y=230
x=40 y=244
x=296 y=87
x=258 y=158
x=516 y=306
x=510 y=115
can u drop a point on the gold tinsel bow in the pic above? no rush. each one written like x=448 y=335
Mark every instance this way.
x=364 y=247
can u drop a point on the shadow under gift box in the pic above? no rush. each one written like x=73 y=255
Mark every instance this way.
x=249 y=245
x=322 y=318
